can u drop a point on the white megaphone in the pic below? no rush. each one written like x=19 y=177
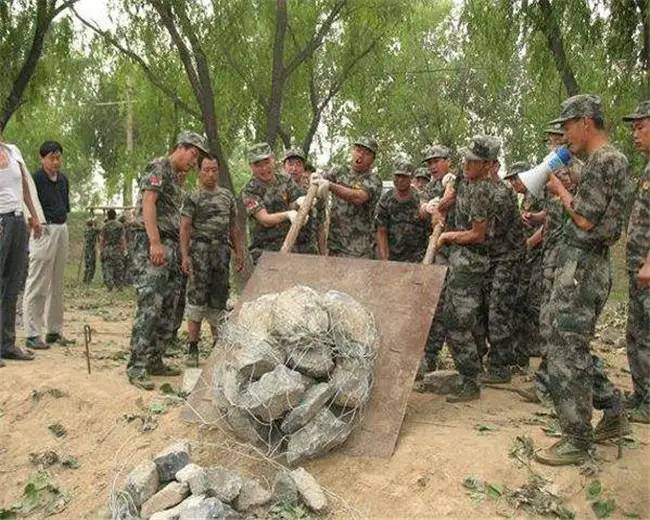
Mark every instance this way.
x=536 y=178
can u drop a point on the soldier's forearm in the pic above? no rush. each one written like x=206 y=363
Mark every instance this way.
x=150 y=216
x=185 y=235
x=351 y=195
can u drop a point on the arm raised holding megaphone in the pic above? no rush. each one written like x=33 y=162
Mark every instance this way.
x=555 y=186
x=536 y=178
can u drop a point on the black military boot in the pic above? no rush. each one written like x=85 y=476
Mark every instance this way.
x=468 y=391
x=192 y=359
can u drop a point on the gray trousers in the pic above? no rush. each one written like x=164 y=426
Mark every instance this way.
x=13 y=252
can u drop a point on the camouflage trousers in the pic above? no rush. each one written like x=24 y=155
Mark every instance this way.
x=90 y=263
x=113 y=265
x=127 y=270
x=437 y=331
x=156 y=289
x=527 y=341
x=577 y=379
x=638 y=339
x=501 y=287
x=208 y=286
x=464 y=300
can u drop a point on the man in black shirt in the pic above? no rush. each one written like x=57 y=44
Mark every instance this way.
x=43 y=301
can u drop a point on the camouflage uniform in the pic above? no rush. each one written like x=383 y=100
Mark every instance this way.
x=582 y=281
x=408 y=233
x=274 y=196
x=112 y=258
x=352 y=227
x=506 y=249
x=129 y=230
x=638 y=318
x=90 y=252
x=213 y=214
x=465 y=298
x=157 y=287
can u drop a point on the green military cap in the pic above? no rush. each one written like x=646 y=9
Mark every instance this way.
x=367 y=142
x=422 y=173
x=436 y=151
x=294 y=152
x=482 y=148
x=517 y=168
x=554 y=129
x=582 y=105
x=641 y=112
x=187 y=137
x=403 y=168
x=259 y=152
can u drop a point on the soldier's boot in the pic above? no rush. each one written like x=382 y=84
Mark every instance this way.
x=140 y=379
x=426 y=365
x=564 y=452
x=160 y=369
x=192 y=359
x=612 y=426
x=54 y=337
x=36 y=343
x=496 y=376
x=640 y=414
x=468 y=391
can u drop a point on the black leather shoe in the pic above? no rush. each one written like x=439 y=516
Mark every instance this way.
x=18 y=354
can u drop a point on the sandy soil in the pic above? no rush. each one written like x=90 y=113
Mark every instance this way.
x=440 y=445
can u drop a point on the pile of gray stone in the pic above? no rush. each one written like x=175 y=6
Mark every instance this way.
x=171 y=487
x=297 y=371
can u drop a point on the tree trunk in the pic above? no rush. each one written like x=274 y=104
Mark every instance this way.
x=278 y=75
x=555 y=43
x=41 y=27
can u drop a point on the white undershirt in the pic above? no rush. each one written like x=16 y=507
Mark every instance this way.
x=11 y=185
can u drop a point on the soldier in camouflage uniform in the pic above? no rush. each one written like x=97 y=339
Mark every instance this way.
x=270 y=200
x=403 y=227
x=506 y=249
x=638 y=268
x=208 y=231
x=470 y=263
x=156 y=269
x=420 y=179
x=90 y=250
x=437 y=159
x=356 y=191
x=129 y=229
x=112 y=249
x=581 y=285
x=311 y=239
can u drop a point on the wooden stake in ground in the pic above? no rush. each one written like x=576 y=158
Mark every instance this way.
x=296 y=225
x=87 y=340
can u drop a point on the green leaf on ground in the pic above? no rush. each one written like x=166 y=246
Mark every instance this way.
x=594 y=490
x=485 y=428
x=603 y=508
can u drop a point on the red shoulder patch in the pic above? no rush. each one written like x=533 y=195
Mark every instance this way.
x=154 y=180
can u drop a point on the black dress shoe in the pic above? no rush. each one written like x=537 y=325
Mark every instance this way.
x=18 y=354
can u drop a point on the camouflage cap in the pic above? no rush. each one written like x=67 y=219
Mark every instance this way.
x=367 y=142
x=642 y=112
x=554 y=129
x=582 y=105
x=187 y=137
x=516 y=169
x=294 y=152
x=259 y=152
x=482 y=148
x=436 y=151
x=422 y=173
x=403 y=168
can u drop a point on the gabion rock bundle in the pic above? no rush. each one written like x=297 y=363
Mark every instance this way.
x=297 y=371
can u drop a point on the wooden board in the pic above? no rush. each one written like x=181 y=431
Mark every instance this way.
x=403 y=298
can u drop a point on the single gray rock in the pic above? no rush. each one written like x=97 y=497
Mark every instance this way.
x=274 y=394
x=313 y=400
x=191 y=377
x=172 y=494
x=351 y=321
x=142 y=483
x=209 y=509
x=256 y=358
x=309 y=490
x=441 y=382
x=246 y=427
x=323 y=433
x=313 y=360
x=284 y=489
x=298 y=313
x=222 y=483
x=252 y=495
x=229 y=382
x=175 y=512
x=351 y=380
x=172 y=459
x=194 y=477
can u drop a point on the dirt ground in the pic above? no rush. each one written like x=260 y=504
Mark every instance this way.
x=439 y=447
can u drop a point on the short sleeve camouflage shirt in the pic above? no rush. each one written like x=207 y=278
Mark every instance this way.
x=352 y=227
x=212 y=212
x=506 y=233
x=638 y=229
x=112 y=233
